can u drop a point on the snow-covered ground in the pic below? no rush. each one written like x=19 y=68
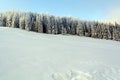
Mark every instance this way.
x=33 y=56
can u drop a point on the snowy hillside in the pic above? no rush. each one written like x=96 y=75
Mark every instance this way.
x=28 y=55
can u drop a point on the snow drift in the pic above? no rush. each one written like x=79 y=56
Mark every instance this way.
x=28 y=55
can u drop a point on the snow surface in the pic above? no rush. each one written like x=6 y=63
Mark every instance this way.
x=28 y=55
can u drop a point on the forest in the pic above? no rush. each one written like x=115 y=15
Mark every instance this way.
x=46 y=23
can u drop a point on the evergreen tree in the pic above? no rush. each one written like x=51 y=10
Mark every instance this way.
x=45 y=23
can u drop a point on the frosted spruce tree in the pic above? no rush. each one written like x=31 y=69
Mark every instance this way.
x=45 y=23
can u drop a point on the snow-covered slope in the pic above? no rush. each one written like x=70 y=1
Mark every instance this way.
x=33 y=56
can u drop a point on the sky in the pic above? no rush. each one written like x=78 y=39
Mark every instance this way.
x=83 y=9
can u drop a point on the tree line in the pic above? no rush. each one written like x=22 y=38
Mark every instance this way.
x=45 y=23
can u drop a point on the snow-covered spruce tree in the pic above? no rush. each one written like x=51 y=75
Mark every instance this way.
x=94 y=29
x=88 y=29
x=59 y=25
x=4 y=20
x=64 y=26
x=97 y=30
x=80 y=29
x=15 y=20
x=67 y=24
x=0 y=19
x=28 y=21
x=63 y=29
x=70 y=25
x=105 y=31
x=53 y=25
x=9 y=16
x=33 y=21
x=73 y=27
x=49 y=24
x=38 y=23
x=116 y=32
x=45 y=23
x=110 y=31
x=22 y=22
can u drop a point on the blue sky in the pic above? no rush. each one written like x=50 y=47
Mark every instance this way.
x=83 y=9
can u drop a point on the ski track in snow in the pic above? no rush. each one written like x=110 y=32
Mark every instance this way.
x=105 y=72
x=28 y=55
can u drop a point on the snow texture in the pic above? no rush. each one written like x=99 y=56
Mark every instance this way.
x=28 y=55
